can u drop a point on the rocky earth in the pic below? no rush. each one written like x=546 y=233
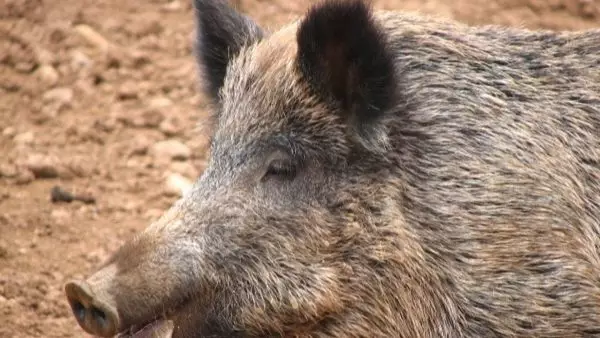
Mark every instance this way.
x=101 y=128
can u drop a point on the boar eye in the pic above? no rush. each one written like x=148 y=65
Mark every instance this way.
x=280 y=168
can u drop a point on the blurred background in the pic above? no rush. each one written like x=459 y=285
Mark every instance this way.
x=98 y=113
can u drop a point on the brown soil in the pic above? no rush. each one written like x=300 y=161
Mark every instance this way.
x=86 y=88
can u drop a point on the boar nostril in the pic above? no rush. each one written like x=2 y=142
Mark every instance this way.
x=78 y=310
x=98 y=316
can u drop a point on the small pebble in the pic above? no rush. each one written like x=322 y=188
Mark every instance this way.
x=24 y=67
x=151 y=118
x=24 y=138
x=106 y=124
x=92 y=37
x=44 y=56
x=76 y=166
x=43 y=166
x=60 y=95
x=140 y=145
x=7 y=170
x=160 y=102
x=47 y=74
x=128 y=90
x=24 y=177
x=171 y=126
x=184 y=168
x=171 y=149
x=200 y=144
x=177 y=185
x=172 y=6
x=9 y=131
x=60 y=214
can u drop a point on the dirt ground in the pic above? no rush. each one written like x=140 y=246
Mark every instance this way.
x=88 y=92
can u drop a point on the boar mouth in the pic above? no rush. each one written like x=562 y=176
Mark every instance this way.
x=161 y=326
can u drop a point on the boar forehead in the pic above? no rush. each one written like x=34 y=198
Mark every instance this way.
x=265 y=101
x=263 y=75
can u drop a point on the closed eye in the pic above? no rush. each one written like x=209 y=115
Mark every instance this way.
x=281 y=168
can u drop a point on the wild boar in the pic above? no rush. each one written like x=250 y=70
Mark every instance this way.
x=375 y=174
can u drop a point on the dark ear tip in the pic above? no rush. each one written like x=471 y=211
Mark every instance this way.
x=344 y=53
x=221 y=33
x=330 y=19
x=326 y=8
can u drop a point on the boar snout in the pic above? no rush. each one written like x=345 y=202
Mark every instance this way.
x=146 y=281
x=94 y=312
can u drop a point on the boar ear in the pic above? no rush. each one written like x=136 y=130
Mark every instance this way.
x=221 y=33
x=343 y=54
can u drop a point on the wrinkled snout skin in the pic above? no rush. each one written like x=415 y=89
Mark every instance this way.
x=375 y=174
